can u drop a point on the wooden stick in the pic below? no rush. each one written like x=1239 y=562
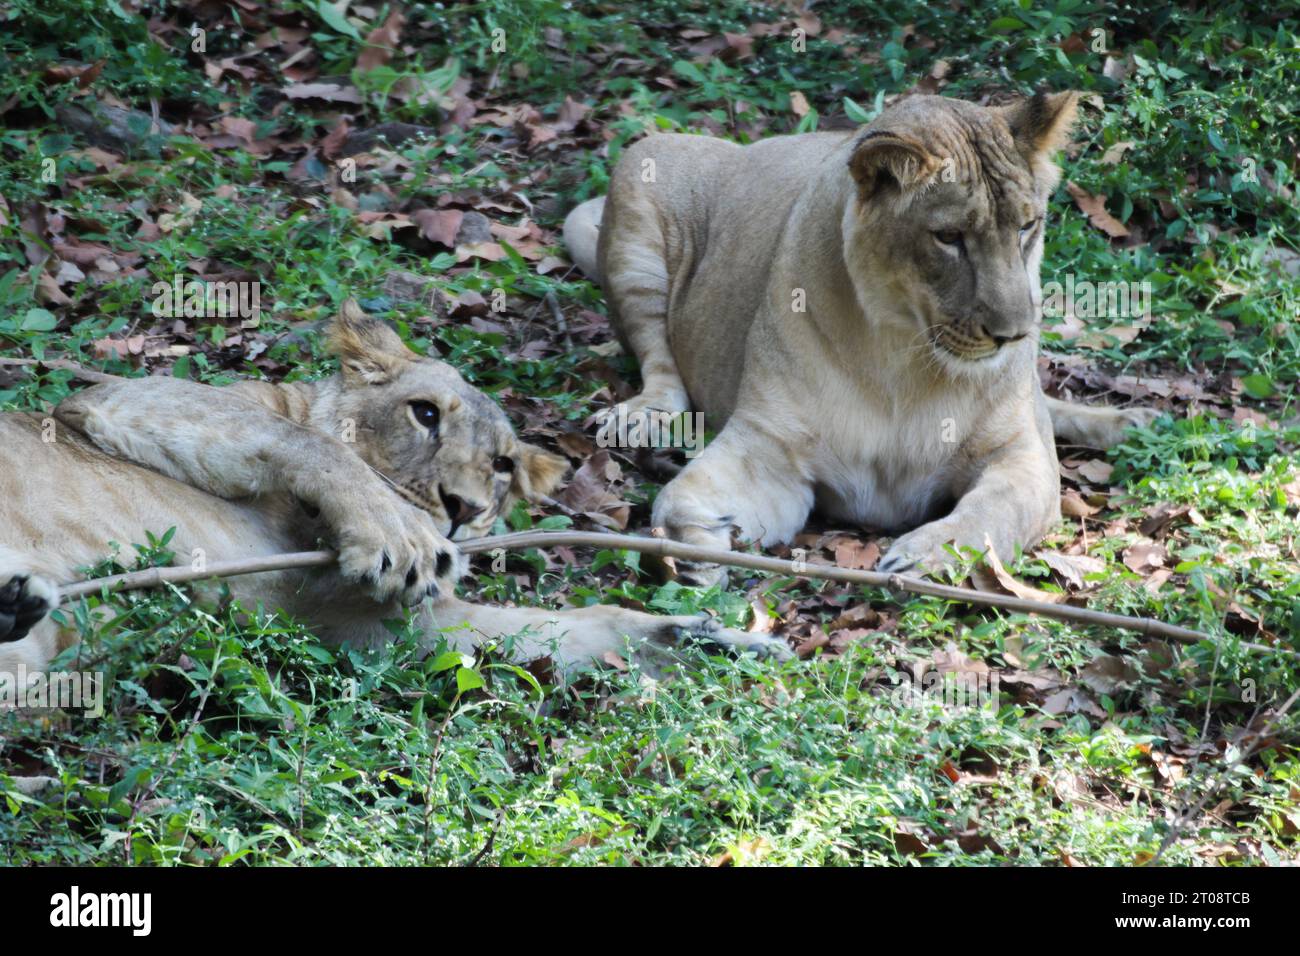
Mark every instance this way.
x=80 y=371
x=663 y=547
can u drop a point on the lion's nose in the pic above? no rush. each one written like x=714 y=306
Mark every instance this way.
x=458 y=509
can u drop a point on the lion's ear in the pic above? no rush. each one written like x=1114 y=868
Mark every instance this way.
x=539 y=473
x=1040 y=124
x=369 y=352
x=881 y=158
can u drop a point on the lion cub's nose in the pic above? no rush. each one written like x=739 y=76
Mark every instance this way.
x=458 y=510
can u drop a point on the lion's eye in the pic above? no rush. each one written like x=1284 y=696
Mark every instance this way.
x=503 y=465
x=1028 y=227
x=426 y=414
x=948 y=237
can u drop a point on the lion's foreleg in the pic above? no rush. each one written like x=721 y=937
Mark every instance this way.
x=745 y=482
x=1014 y=502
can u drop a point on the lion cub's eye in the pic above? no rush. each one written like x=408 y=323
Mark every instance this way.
x=503 y=465
x=1028 y=227
x=426 y=414
x=948 y=237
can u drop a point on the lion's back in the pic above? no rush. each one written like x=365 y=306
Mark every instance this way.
x=67 y=502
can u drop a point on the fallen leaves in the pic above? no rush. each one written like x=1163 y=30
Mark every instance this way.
x=1095 y=209
x=995 y=578
x=590 y=492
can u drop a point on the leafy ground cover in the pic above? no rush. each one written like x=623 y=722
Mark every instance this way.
x=319 y=148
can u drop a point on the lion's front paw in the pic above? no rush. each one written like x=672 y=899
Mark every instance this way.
x=24 y=601
x=923 y=550
x=397 y=553
x=710 y=631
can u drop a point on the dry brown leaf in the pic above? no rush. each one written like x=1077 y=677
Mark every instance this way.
x=1073 y=505
x=1095 y=208
x=331 y=92
x=1072 y=567
x=1096 y=471
x=1007 y=582
x=439 y=225
x=1145 y=556
x=381 y=43
x=854 y=554
x=1115 y=153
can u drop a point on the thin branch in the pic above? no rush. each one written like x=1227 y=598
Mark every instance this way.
x=80 y=371
x=154 y=577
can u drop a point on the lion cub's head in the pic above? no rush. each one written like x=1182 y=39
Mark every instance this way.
x=951 y=201
x=445 y=445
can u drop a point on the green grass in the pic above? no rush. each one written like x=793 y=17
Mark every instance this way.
x=236 y=741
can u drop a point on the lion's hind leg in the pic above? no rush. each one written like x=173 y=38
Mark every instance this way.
x=636 y=284
x=1095 y=426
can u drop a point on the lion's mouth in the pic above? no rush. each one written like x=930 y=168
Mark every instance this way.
x=969 y=348
x=430 y=505
x=440 y=509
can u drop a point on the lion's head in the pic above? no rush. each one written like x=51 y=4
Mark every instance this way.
x=443 y=444
x=951 y=202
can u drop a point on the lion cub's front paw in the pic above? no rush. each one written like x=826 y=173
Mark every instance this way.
x=24 y=601
x=708 y=630
x=697 y=575
x=396 y=553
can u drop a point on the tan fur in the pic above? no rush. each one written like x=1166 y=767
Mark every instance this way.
x=907 y=385
x=258 y=469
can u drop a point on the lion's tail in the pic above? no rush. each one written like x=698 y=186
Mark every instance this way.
x=582 y=233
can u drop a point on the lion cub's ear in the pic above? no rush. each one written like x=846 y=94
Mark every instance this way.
x=369 y=352
x=1040 y=124
x=539 y=473
x=881 y=158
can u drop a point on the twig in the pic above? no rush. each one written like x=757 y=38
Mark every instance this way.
x=561 y=323
x=153 y=577
x=492 y=837
x=80 y=371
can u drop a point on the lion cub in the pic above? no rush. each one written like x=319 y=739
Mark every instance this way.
x=858 y=315
x=386 y=461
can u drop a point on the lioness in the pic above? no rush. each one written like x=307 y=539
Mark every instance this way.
x=858 y=313
x=386 y=460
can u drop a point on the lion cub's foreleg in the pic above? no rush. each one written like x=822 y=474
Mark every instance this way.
x=231 y=446
x=578 y=637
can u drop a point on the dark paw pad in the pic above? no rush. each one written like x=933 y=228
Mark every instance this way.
x=21 y=607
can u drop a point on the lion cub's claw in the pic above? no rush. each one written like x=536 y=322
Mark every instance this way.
x=397 y=555
x=708 y=630
x=24 y=601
